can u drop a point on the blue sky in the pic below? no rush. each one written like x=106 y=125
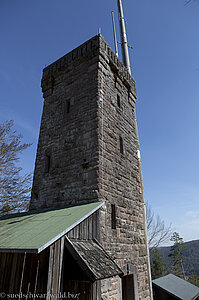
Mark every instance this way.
x=165 y=65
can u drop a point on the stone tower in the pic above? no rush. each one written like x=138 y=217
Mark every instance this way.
x=87 y=152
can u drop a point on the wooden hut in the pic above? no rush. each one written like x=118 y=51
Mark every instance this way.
x=53 y=253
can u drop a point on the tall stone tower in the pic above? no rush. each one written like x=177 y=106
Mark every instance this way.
x=87 y=152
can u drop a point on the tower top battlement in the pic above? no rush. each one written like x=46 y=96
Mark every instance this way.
x=91 y=48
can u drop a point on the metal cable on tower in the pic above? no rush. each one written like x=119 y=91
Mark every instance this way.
x=114 y=33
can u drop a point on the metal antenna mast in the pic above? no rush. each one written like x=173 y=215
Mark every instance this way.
x=124 y=45
x=114 y=33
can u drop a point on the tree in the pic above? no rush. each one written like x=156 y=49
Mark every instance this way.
x=157 y=264
x=194 y=279
x=158 y=232
x=14 y=188
x=177 y=254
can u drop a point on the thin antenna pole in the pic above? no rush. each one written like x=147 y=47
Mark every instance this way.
x=114 y=33
x=124 y=45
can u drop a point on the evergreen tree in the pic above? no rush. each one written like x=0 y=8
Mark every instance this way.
x=194 y=279
x=157 y=264
x=177 y=254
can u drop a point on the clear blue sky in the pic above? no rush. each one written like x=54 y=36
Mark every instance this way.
x=165 y=65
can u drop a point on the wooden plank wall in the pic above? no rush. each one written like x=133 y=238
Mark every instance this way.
x=20 y=272
x=55 y=268
x=88 y=229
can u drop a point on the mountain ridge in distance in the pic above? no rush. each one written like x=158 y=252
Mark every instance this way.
x=191 y=257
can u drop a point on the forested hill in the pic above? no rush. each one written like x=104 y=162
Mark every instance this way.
x=191 y=257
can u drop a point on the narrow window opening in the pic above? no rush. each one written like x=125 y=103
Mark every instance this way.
x=121 y=145
x=36 y=196
x=118 y=101
x=113 y=216
x=68 y=106
x=52 y=83
x=48 y=163
x=115 y=80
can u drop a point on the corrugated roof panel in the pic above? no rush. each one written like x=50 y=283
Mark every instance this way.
x=177 y=287
x=33 y=232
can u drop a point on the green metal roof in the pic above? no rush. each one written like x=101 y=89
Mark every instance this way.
x=33 y=232
x=177 y=287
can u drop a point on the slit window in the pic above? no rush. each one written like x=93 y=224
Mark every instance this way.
x=121 y=145
x=118 y=101
x=35 y=196
x=115 y=80
x=113 y=216
x=48 y=163
x=67 y=106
